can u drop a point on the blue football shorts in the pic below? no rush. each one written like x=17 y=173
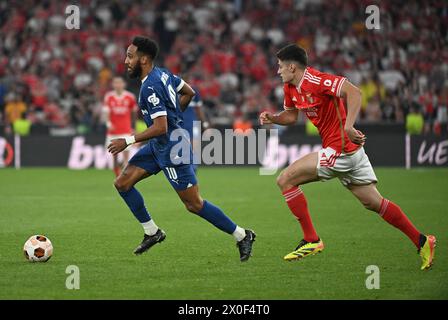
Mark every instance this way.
x=180 y=176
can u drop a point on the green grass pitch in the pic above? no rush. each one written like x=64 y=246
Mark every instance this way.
x=91 y=227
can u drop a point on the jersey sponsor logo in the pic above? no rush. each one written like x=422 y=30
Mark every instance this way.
x=119 y=110
x=311 y=112
x=333 y=88
x=145 y=112
x=309 y=98
x=153 y=99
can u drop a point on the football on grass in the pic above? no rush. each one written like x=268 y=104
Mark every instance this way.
x=38 y=248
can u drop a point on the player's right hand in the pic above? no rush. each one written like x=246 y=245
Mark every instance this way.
x=356 y=136
x=116 y=146
x=265 y=118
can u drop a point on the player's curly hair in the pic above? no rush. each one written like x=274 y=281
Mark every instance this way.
x=146 y=46
x=293 y=52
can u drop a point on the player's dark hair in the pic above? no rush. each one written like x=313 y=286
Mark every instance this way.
x=146 y=46
x=293 y=52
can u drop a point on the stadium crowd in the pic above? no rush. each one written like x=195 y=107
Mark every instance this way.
x=52 y=75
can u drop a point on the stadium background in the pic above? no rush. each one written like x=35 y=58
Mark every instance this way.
x=52 y=81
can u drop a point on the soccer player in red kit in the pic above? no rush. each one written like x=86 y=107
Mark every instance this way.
x=320 y=95
x=119 y=110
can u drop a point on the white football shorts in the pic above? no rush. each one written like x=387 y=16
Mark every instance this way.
x=353 y=168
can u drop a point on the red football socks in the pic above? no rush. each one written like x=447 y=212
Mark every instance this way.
x=396 y=217
x=297 y=204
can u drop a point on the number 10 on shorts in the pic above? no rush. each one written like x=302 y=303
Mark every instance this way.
x=172 y=174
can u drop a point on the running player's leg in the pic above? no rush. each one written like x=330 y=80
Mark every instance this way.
x=125 y=187
x=300 y=172
x=139 y=167
x=372 y=200
x=206 y=210
x=125 y=154
x=361 y=181
x=116 y=166
x=184 y=182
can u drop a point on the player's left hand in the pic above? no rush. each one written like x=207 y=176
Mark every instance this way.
x=356 y=136
x=116 y=146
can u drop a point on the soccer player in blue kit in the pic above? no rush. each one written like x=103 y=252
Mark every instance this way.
x=163 y=96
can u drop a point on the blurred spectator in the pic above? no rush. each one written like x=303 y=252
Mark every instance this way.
x=414 y=121
x=389 y=108
x=370 y=88
x=227 y=48
x=373 y=110
x=241 y=124
x=14 y=108
x=22 y=126
x=441 y=121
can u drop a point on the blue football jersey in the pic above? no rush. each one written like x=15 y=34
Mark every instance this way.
x=158 y=97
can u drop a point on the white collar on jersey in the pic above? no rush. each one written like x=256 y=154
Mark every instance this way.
x=148 y=74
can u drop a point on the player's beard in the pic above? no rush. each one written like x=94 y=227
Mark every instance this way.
x=136 y=72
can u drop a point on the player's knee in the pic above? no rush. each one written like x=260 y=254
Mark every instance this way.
x=121 y=185
x=193 y=206
x=371 y=205
x=283 y=181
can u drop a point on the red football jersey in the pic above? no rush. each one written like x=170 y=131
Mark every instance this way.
x=319 y=96
x=120 y=108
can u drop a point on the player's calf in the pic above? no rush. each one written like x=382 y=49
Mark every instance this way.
x=368 y=195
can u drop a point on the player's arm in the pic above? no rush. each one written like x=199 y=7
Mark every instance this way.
x=186 y=93
x=105 y=114
x=158 y=128
x=284 y=118
x=133 y=118
x=352 y=95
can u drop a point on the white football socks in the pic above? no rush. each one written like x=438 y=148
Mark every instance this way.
x=150 y=227
x=239 y=233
